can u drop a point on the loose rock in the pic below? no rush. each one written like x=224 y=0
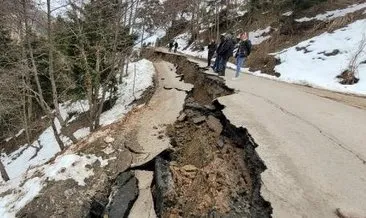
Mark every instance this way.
x=189 y=168
x=194 y=105
x=182 y=117
x=220 y=143
x=108 y=139
x=214 y=124
x=125 y=195
x=210 y=107
x=199 y=119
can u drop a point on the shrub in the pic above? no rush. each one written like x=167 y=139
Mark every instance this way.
x=350 y=75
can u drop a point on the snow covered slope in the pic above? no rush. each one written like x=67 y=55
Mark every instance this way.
x=317 y=61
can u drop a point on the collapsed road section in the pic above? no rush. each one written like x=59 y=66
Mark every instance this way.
x=210 y=169
x=213 y=170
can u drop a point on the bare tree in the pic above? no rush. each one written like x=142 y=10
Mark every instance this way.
x=102 y=49
x=350 y=75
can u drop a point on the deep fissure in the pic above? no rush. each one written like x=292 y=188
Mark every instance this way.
x=207 y=149
x=191 y=159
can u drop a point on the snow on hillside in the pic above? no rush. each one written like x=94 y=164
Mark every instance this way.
x=288 y=13
x=129 y=90
x=182 y=40
x=260 y=35
x=317 y=61
x=150 y=39
x=22 y=164
x=329 y=15
x=311 y=62
x=16 y=193
x=256 y=37
x=19 y=161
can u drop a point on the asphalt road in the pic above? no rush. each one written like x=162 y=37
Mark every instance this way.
x=312 y=141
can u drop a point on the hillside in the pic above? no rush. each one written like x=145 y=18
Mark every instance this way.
x=327 y=40
x=99 y=119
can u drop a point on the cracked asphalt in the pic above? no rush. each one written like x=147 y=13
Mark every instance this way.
x=312 y=141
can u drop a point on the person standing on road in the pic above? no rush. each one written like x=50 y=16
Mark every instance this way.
x=226 y=51
x=171 y=44
x=243 y=52
x=211 y=51
x=218 y=57
x=175 y=47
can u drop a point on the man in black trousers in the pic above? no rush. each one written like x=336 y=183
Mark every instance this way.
x=211 y=51
x=224 y=53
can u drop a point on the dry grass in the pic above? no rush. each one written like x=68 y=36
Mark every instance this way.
x=328 y=6
x=341 y=21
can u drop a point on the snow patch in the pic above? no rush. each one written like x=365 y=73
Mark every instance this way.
x=19 y=133
x=241 y=13
x=108 y=150
x=82 y=133
x=24 y=158
x=76 y=108
x=140 y=77
x=150 y=38
x=71 y=166
x=256 y=37
x=288 y=13
x=182 y=40
x=319 y=60
x=16 y=193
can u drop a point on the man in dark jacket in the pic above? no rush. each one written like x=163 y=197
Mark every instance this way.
x=218 y=57
x=211 y=52
x=225 y=52
x=175 y=47
x=171 y=44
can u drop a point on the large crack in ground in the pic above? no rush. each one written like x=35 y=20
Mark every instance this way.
x=214 y=170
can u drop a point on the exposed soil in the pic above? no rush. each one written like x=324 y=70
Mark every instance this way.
x=214 y=168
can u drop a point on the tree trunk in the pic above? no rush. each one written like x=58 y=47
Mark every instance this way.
x=25 y=118
x=217 y=22
x=57 y=136
x=142 y=35
x=33 y=62
x=45 y=107
x=130 y=17
x=27 y=98
x=51 y=73
x=50 y=64
x=3 y=172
